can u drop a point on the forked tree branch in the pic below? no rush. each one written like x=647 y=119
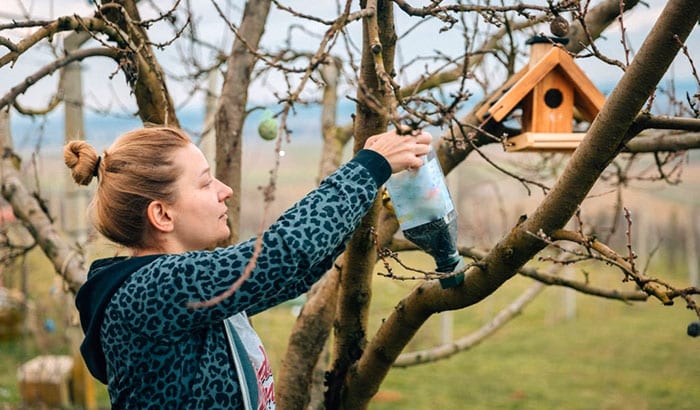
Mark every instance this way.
x=66 y=23
x=654 y=287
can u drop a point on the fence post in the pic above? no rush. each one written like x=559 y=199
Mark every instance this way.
x=691 y=247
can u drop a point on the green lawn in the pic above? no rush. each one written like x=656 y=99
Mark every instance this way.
x=634 y=358
x=609 y=356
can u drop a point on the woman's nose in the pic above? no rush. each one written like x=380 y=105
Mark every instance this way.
x=226 y=192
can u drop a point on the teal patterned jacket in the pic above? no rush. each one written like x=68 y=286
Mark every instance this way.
x=153 y=351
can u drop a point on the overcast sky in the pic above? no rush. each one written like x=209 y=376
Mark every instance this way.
x=112 y=94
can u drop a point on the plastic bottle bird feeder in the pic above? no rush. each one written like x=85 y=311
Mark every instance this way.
x=549 y=91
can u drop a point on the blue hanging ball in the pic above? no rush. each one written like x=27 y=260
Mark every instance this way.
x=49 y=325
x=694 y=329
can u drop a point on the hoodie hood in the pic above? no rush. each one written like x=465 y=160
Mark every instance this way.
x=104 y=279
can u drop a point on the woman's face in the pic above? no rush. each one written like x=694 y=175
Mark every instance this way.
x=199 y=211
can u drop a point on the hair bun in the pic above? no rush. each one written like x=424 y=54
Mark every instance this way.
x=82 y=159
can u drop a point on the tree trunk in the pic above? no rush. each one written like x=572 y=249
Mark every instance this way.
x=378 y=45
x=231 y=113
x=306 y=344
x=295 y=383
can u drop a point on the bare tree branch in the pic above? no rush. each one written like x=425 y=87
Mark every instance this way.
x=140 y=67
x=663 y=141
x=67 y=260
x=68 y=23
x=53 y=67
x=467 y=342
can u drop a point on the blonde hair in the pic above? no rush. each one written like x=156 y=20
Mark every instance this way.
x=138 y=168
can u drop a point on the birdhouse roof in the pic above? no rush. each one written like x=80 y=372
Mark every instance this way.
x=587 y=98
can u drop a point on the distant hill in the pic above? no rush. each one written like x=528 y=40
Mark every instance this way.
x=304 y=121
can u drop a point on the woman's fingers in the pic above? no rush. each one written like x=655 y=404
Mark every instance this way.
x=401 y=151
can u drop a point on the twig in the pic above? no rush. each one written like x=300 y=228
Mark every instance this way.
x=51 y=68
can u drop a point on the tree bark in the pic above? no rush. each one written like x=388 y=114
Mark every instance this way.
x=306 y=343
x=378 y=45
x=231 y=113
x=295 y=384
x=67 y=261
x=148 y=80
x=5 y=135
x=663 y=141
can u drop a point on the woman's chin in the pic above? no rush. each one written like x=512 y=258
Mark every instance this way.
x=225 y=235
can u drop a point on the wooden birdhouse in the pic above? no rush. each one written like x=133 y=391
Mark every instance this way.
x=549 y=92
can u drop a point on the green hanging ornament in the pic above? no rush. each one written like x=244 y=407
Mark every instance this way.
x=267 y=128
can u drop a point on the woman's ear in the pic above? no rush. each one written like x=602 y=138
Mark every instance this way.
x=160 y=217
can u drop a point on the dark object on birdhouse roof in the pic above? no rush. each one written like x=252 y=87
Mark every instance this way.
x=549 y=91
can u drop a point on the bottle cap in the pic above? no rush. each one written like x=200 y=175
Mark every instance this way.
x=454 y=280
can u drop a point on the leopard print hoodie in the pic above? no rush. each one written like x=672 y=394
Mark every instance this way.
x=153 y=351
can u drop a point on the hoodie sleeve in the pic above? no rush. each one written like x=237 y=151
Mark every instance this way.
x=295 y=252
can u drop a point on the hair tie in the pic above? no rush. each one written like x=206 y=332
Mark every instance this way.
x=96 y=171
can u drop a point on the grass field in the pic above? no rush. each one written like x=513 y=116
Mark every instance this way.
x=609 y=356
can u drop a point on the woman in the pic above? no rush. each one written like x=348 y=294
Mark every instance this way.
x=157 y=198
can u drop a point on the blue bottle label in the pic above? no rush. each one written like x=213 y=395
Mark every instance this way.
x=420 y=196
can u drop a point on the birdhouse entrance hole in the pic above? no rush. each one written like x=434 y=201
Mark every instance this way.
x=553 y=98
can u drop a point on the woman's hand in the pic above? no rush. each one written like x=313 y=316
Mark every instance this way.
x=401 y=151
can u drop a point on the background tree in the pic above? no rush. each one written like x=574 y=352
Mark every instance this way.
x=354 y=51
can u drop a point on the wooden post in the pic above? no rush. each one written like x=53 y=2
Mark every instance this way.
x=569 y=294
x=691 y=246
x=12 y=313
x=82 y=382
x=73 y=216
x=446 y=327
x=74 y=219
